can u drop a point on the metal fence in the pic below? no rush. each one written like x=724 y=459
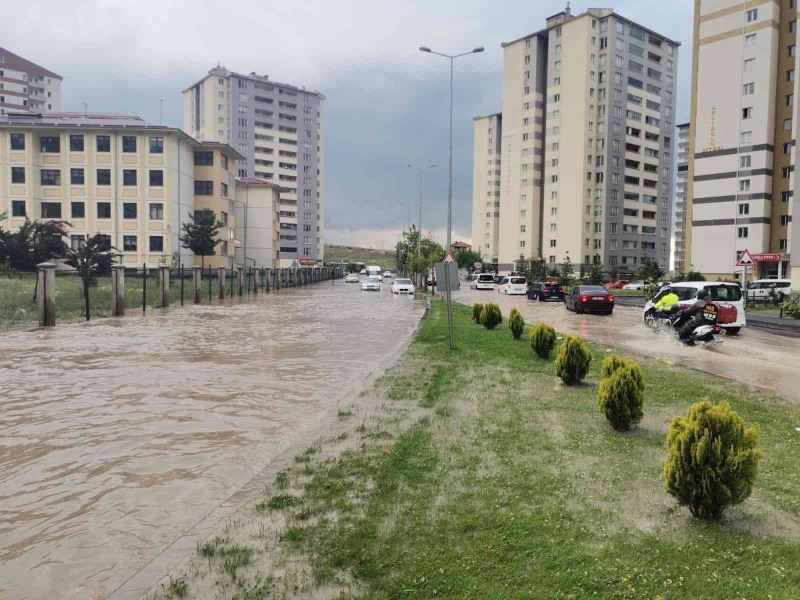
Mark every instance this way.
x=18 y=307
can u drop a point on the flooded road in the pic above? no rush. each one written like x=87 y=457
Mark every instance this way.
x=119 y=435
x=755 y=357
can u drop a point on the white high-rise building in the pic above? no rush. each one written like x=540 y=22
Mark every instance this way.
x=486 y=186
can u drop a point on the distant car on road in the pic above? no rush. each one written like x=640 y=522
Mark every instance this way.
x=635 y=285
x=387 y=275
x=617 y=285
x=371 y=283
x=485 y=281
x=589 y=298
x=759 y=290
x=513 y=285
x=351 y=278
x=552 y=290
x=403 y=286
x=362 y=272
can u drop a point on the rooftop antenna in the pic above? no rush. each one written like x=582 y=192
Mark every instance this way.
x=161 y=113
x=568 y=9
x=85 y=109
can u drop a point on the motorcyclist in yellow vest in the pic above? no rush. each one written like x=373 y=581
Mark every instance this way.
x=668 y=301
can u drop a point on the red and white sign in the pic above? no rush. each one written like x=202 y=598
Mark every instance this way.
x=746 y=260
x=307 y=261
x=449 y=257
x=766 y=257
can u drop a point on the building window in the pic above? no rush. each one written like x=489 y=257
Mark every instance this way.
x=156 y=145
x=744 y=209
x=787 y=172
x=156 y=178
x=752 y=15
x=51 y=210
x=76 y=143
x=203 y=188
x=157 y=212
x=129 y=243
x=785 y=220
x=77 y=210
x=18 y=141
x=129 y=176
x=748 y=89
x=103 y=176
x=750 y=40
x=18 y=208
x=17 y=174
x=156 y=243
x=750 y=64
x=746 y=137
x=789 y=100
x=744 y=185
x=104 y=143
x=104 y=210
x=129 y=210
x=742 y=232
x=787 y=124
x=50 y=145
x=76 y=177
x=787 y=196
x=790 y=75
x=51 y=177
x=77 y=242
x=203 y=158
x=745 y=161
x=747 y=112
x=129 y=143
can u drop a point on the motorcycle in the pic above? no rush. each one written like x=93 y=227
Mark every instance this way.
x=703 y=332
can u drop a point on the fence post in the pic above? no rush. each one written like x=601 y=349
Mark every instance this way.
x=163 y=286
x=240 y=279
x=221 y=281
x=197 y=275
x=181 y=273
x=117 y=291
x=46 y=293
x=210 y=297
x=255 y=279
x=144 y=288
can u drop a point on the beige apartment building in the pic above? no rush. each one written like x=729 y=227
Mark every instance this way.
x=258 y=221
x=486 y=173
x=742 y=138
x=118 y=176
x=587 y=143
x=24 y=85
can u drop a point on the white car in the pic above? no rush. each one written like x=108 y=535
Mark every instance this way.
x=387 y=275
x=371 y=283
x=351 y=278
x=513 y=285
x=635 y=285
x=362 y=272
x=485 y=281
x=472 y=281
x=403 y=286
x=719 y=291
x=759 y=290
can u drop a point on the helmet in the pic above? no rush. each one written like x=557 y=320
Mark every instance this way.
x=664 y=288
x=702 y=294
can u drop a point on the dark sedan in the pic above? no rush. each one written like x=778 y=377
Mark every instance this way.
x=590 y=298
x=548 y=291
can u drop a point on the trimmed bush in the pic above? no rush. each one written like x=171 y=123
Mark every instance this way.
x=477 y=309
x=491 y=316
x=516 y=323
x=621 y=394
x=711 y=459
x=573 y=360
x=611 y=363
x=542 y=339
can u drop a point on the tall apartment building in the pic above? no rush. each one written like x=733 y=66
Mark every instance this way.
x=741 y=163
x=137 y=183
x=486 y=186
x=681 y=191
x=587 y=142
x=27 y=86
x=277 y=128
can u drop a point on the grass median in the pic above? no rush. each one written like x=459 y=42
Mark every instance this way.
x=480 y=476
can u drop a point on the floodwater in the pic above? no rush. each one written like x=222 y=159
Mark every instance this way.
x=118 y=436
x=755 y=357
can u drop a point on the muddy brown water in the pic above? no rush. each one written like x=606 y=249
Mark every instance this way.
x=119 y=435
x=755 y=357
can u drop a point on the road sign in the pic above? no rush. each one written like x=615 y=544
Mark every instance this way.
x=746 y=260
x=446 y=277
x=449 y=258
x=766 y=257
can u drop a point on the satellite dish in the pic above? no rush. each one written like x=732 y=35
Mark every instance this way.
x=478 y=265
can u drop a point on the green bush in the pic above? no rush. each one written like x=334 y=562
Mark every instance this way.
x=611 y=363
x=711 y=459
x=791 y=307
x=573 y=360
x=542 y=339
x=477 y=309
x=491 y=316
x=516 y=323
x=621 y=393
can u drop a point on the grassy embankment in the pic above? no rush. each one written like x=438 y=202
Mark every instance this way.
x=385 y=259
x=477 y=475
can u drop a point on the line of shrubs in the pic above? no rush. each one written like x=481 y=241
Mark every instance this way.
x=712 y=457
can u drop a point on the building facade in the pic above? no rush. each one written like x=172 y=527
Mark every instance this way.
x=27 y=86
x=277 y=128
x=679 y=214
x=741 y=155
x=258 y=221
x=118 y=176
x=587 y=143
x=486 y=172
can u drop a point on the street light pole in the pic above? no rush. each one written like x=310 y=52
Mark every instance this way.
x=420 y=171
x=452 y=58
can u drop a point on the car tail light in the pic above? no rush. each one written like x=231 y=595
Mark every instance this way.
x=610 y=298
x=717 y=330
x=584 y=298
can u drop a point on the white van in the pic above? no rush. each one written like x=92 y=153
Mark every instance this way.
x=759 y=290
x=485 y=281
x=375 y=271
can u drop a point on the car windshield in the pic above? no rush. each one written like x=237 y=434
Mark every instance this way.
x=403 y=281
x=593 y=289
x=518 y=280
x=372 y=280
x=731 y=293
x=684 y=293
x=553 y=286
x=485 y=278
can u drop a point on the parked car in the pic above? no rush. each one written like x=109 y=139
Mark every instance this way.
x=617 y=285
x=551 y=290
x=635 y=285
x=351 y=278
x=485 y=281
x=760 y=290
x=589 y=298
x=723 y=293
x=513 y=285
x=403 y=286
x=371 y=283
x=387 y=275
x=472 y=281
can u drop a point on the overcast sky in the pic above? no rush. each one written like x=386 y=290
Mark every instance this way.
x=387 y=102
